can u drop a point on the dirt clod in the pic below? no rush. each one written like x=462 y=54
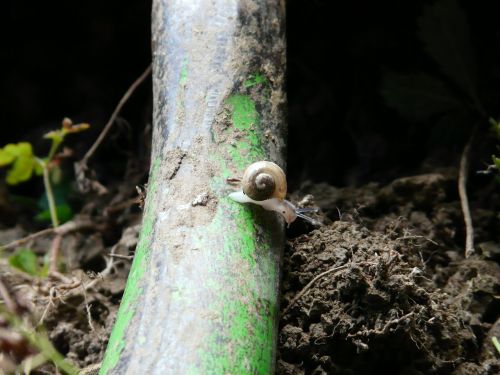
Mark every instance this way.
x=406 y=301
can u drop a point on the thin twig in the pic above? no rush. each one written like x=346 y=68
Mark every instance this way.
x=120 y=256
x=106 y=271
x=464 y=201
x=55 y=292
x=122 y=205
x=384 y=330
x=115 y=113
x=415 y=237
x=54 y=252
x=311 y=283
x=87 y=308
x=27 y=238
x=63 y=229
x=7 y=299
x=90 y=369
x=52 y=296
x=71 y=287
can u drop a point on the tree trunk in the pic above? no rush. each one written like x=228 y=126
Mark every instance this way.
x=202 y=294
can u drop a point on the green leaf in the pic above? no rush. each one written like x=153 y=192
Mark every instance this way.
x=419 y=96
x=12 y=151
x=496 y=161
x=64 y=214
x=254 y=79
x=444 y=31
x=21 y=170
x=7 y=154
x=25 y=260
x=22 y=167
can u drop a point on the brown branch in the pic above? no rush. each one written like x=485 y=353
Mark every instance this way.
x=28 y=238
x=115 y=113
x=63 y=229
x=55 y=246
x=464 y=201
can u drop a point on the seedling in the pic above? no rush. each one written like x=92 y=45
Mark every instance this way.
x=23 y=163
x=495 y=125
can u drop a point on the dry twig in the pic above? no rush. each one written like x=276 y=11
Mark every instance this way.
x=87 y=308
x=106 y=271
x=120 y=256
x=115 y=113
x=92 y=369
x=28 y=238
x=464 y=201
x=384 y=330
x=63 y=229
x=7 y=299
x=54 y=252
x=311 y=283
x=416 y=237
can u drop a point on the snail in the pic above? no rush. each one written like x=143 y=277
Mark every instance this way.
x=264 y=184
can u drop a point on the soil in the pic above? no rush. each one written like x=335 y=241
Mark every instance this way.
x=381 y=286
x=406 y=301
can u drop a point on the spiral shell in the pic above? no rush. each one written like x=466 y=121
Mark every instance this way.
x=264 y=180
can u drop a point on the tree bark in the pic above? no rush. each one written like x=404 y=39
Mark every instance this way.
x=202 y=295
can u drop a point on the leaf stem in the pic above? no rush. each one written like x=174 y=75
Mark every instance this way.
x=53 y=148
x=50 y=195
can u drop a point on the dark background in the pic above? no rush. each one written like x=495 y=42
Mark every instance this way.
x=76 y=59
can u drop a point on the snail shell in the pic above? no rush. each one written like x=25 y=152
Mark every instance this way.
x=264 y=180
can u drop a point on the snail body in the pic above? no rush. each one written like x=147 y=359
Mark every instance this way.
x=264 y=184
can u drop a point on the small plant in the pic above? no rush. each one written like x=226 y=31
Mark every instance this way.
x=27 y=261
x=39 y=340
x=495 y=125
x=23 y=163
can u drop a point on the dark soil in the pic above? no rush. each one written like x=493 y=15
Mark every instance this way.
x=77 y=308
x=407 y=302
